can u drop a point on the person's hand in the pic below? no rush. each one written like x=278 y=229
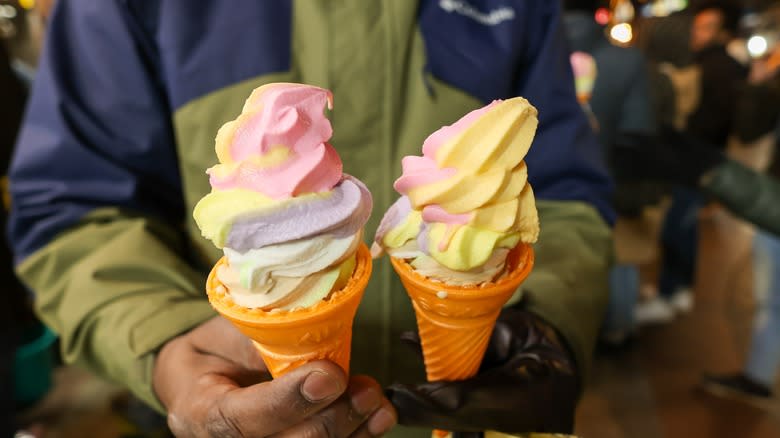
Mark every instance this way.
x=213 y=382
x=527 y=383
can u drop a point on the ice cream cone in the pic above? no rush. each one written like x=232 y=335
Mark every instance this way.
x=455 y=323
x=289 y=339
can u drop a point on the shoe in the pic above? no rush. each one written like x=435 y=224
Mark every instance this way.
x=737 y=387
x=682 y=300
x=653 y=311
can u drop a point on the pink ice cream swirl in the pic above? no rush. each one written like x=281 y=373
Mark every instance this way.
x=286 y=216
x=421 y=171
x=278 y=146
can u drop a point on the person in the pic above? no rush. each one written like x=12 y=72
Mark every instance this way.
x=758 y=121
x=15 y=311
x=110 y=162
x=752 y=196
x=713 y=27
x=621 y=97
x=621 y=104
x=754 y=381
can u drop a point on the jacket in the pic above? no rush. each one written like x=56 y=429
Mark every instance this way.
x=621 y=96
x=721 y=77
x=129 y=97
x=751 y=195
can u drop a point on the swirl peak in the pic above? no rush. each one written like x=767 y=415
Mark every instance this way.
x=278 y=145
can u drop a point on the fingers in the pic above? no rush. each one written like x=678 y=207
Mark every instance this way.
x=219 y=337
x=209 y=391
x=362 y=409
x=379 y=423
x=280 y=404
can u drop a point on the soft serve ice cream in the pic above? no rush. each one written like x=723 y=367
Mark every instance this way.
x=585 y=71
x=466 y=202
x=287 y=218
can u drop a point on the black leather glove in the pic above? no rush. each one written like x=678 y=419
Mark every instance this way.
x=527 y=383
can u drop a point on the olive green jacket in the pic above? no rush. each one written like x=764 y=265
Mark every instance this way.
x=122 y=271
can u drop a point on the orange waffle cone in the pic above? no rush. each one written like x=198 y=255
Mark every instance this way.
x=455 y=323
x=289 y=339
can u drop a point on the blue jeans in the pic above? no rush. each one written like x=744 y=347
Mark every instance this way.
x=623 y=296
x=764 y=356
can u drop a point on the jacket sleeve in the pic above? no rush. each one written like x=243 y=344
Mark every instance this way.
x=97 y=202
x=566 y=161
x=568 y=286
x=750 y=195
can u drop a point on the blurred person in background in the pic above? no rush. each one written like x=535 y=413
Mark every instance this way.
x=758 y=122
x=620 y=99
x=14 y=312
x=621 y=105
x=751 y=195
x=714 y=27
x=674 y=82
x=719 y=80
x=674 y=78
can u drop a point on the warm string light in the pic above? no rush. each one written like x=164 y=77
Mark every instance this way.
x=663 y=8
x=623 y=33
x=623 y=11
x=620 y=15
x=757 y=45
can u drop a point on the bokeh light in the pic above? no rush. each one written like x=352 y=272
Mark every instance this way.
x=757 y=46
x=602 y=16
x=622 y=33
x=623 y=11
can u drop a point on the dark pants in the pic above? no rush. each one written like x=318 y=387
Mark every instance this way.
x=679 y=241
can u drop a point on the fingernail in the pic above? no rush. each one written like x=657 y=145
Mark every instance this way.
x=366 y=401
x=381 y=422
x=319 y=386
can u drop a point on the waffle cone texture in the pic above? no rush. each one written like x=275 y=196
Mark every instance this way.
x=455 y=323
x=289 y=339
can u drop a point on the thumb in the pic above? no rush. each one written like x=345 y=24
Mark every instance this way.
x=276 y=405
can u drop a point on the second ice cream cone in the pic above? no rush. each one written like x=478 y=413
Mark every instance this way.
x=289 y=339
x=454 y=322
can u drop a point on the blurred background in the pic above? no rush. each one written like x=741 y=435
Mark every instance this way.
x=690 y=347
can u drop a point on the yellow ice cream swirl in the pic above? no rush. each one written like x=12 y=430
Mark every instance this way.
x=468 y=195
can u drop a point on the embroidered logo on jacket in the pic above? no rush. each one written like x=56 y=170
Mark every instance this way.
x=491 y=18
